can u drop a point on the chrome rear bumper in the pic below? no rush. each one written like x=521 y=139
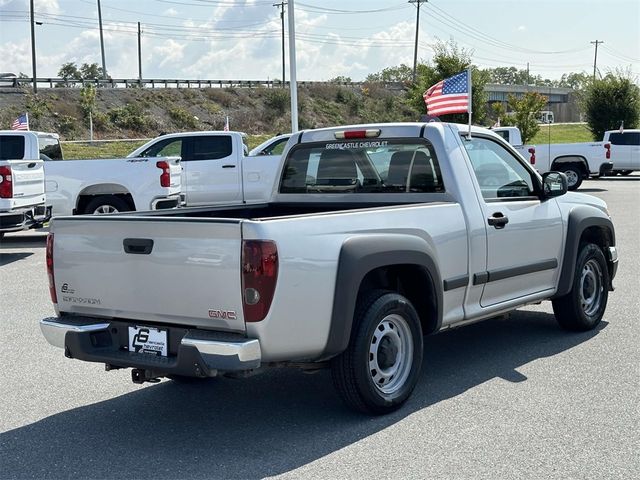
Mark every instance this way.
x=191 y=351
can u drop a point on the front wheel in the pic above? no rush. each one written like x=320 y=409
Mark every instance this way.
x=583 y=307
x=380 y=367
x=574 y=177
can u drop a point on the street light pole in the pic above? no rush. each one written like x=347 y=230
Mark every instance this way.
x=104 y=66
x=292 y=66
x=33 y=47
x=139 y=54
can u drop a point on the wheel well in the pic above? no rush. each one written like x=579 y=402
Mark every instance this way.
x=411 y=281
x=601 y=237
x=84 y=199
x=579 y=162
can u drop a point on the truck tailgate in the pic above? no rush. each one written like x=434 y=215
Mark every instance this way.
x=169 y=270
x=27 y=177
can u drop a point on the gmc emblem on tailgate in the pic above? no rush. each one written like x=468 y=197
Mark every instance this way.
x=224 y=314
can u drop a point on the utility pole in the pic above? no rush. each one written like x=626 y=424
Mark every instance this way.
x=33 y=48
x=527 y=73
x=293 y=87
x=139 y=54
x=595 y=58
x=281 y=5
x=415 y=49
x=104 y=65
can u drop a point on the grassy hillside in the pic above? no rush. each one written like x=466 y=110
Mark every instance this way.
x=142 y=113
x=562 y=133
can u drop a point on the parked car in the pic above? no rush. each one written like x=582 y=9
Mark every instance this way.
x=576 y=160
x=22 y=196
x=374 y=236
x=215 y=169
x=625 y=150
x=103 y=186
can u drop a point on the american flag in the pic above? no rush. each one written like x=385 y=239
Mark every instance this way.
x=21 y=123
x=450 y=95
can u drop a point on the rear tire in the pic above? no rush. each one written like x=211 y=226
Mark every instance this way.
x=574 y=176
x=583 y=307
x=106 y=204
x=381 y=365
x=626 y=172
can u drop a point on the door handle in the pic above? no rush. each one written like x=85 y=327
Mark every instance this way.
x=498 y=220
x=138 y=246
x=228 y=166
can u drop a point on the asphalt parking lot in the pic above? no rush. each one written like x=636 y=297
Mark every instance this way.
x=515 y=398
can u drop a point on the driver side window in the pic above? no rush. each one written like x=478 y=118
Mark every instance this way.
x=499 y=173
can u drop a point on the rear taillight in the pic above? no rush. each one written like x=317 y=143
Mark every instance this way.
x=259 y=276
x=49 y=256
x=532 y=156
x=6 y=182
x=165 y=176
x=607 y=147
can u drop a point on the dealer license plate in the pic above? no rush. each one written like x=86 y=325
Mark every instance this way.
x=148 y=340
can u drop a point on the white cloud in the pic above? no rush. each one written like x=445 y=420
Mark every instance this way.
x=171 y=12
x=171 y=53
x=522 y=28
x=40 y=6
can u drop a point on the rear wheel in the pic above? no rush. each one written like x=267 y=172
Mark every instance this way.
x=106 y=204
x=574 y=176
x=583 y=307
x=380 y=367
x=626 y=172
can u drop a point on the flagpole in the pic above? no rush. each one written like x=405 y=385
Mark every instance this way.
x=470 y=98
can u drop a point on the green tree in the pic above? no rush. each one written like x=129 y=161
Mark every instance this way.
x=91 y=71
x=69 y=71
x=340 y=79
x=400 y=74
x=574 y=80
x=526 y=109
x=609 y=102
x=88 y=99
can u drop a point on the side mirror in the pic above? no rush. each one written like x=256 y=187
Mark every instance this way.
x=554 y=184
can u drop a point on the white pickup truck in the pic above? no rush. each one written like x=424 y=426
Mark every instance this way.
x=375 y=235
x=215 y=169
x=104 y=186
x=625 y=150
x=577 y=161
x=22 y=197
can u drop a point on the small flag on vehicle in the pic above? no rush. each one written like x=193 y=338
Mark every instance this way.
x=21 y=123
x=450 y=95
x=226 y=124
x=622 y=126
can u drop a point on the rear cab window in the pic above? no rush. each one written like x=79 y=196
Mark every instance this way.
x=368 y=166
x=630 y=138
x=11 y=147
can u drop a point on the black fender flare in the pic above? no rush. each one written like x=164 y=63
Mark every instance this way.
x=359 y=256
x=579 y=220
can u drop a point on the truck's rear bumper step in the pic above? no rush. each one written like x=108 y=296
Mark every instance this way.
x=191 y=352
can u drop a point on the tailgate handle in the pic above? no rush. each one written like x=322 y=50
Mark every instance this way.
x=138 y=246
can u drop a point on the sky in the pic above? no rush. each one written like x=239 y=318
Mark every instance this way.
x=241 y=39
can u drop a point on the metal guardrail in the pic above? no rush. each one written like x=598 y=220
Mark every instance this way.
x=167 y=83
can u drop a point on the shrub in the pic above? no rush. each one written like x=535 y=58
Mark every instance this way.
x=609 y=102
x=182 y=118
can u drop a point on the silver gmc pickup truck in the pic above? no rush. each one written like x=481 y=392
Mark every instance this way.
x=375 y=236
